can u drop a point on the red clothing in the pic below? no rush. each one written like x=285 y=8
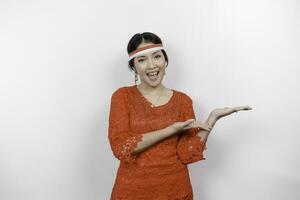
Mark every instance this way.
x=159 y=172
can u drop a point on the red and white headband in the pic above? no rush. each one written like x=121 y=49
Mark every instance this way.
x=145 y=49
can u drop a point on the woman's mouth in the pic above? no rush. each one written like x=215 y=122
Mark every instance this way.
x=153 y=76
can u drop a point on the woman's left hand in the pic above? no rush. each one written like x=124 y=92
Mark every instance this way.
x=221 y=112
x=214 y=116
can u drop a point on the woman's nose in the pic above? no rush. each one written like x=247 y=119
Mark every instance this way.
x=151 y=64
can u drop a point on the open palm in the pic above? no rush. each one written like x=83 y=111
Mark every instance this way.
x=221 y=112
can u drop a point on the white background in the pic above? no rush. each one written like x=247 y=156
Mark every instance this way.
x=61 y=61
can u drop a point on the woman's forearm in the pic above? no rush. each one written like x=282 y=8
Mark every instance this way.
x=203 y=134
x=153 y=137
x=211 y=120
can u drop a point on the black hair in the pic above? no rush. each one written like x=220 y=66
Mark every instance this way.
x=137 y=39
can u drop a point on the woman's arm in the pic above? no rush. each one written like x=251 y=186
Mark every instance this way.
x=217 y=114
x=153 y=137
x=203 y=134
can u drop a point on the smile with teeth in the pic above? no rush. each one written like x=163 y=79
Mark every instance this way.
x=153 y=75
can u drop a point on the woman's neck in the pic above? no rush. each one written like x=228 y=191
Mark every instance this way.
x=149 y=89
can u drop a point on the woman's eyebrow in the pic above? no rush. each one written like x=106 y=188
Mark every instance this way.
x=140 y=56
x=145 y=56
x=155 y=52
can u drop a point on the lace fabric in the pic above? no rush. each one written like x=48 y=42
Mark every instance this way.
x=186 y=197
x=159 y=172
x=189 y=145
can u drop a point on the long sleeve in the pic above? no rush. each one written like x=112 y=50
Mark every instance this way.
x=189 y=147
x=122 y=140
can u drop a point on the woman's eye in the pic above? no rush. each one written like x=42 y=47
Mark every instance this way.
x=157 y=56
x=141 y=60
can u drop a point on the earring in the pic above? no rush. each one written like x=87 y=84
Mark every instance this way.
x=135 y=78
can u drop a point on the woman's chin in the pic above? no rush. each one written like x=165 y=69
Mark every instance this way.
x=155 y=83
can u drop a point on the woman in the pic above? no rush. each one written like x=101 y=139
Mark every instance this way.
x=153 y=130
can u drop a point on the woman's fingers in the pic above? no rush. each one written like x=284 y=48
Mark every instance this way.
x=241 y=108
x=197 y=124
x=221 y=112
x=189 y=121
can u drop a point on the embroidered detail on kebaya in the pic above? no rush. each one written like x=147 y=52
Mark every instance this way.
x=159 y=172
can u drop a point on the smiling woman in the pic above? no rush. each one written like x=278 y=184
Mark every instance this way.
x=147 y=58
x=153 y=130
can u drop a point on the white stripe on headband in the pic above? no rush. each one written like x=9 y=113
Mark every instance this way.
x=145 y=49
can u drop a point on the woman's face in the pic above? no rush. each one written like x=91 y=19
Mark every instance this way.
x=150 y=62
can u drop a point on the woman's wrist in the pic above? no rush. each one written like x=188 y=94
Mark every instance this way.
x=211 y=120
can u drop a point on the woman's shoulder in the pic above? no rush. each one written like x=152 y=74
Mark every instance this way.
x=184 y=95
x=123 y=90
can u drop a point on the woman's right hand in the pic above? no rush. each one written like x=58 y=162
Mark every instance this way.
x=178 y=127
